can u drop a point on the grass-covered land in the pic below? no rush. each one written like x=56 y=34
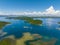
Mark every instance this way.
x=21 y=18
x=28 y=19
x=29 y=39
x=35 y=22
x=2 y=24
x=41 y=42
x=8 y=41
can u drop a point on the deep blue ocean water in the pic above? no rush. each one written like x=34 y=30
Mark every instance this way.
x=50 y=27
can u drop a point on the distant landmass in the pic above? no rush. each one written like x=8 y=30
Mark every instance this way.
x=36 y=16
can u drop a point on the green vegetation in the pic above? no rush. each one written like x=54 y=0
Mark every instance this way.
x=29 y=39
x=41 y=42
x=27 y=19
x=19 y=18
x=7 y=42
x=35 y=22
x=2 y=24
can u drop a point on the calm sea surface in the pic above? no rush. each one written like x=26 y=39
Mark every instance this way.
x=50 y=27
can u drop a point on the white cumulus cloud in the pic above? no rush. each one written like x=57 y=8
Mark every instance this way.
x=52 y=11
x=48 y=12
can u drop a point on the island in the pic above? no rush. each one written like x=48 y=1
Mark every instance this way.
x=41 y=42
x=8 y=41
x=35 y=22
x=28 y=19
x=2 y=24
x=29 y=39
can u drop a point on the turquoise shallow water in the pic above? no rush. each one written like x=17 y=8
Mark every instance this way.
x=49 y=28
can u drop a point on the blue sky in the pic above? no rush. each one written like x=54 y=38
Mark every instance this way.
x=27 y=5
x=34 y=5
